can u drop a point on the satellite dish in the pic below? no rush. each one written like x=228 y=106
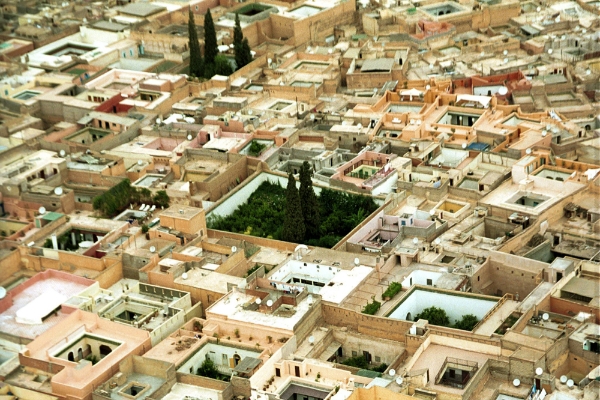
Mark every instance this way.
x=399 y=381
x=258 y=301
x=62 y=153
x=549 y=51
x=416 y=240
x=42 y=210
x=158 y=120
x=464 y=146
x=545 y=316
x=437 y=241
x=563 y=379
x=269 y=303
x=528 y=151
x=503 y=91
x=269 y=61
x=356 y=261
x=505 y=52
x=140 y=162
x=311 y=339
x=392 y=372
x=570 y=383
x=184 y=276
x=189 y=137
x=544 y=133
x=539 y=371
x=2 y=292
x=516 y=382
x=152 y=249
x=58 y=191
x=233 y=249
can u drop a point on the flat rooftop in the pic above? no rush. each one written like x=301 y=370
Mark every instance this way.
x=231 y=307
x=53 y=283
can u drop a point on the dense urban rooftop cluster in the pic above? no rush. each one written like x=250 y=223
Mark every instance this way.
x=300 y=200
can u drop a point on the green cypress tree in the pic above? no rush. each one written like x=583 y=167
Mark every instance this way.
x=246 y=53
x=210 y=39
x=195 y=54
x=293 y=224
x=238 y=38
x=309 y=203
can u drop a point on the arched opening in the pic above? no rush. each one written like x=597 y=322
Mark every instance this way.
x=409 y=317
x=70 y=356
x=104 y=350
x=80 y=354
x=236 y=359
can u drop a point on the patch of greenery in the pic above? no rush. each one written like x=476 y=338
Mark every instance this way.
x=264 y=211
x=438 y=316
x=209 y=370
x=392 y=290
x=361 y=362
x=256 y=147
x=371 y=308
x=435 y=316
x=118 y=198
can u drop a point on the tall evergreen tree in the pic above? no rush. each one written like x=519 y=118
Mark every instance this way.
x=195 y=54
x=293 y=224
x=309 y=203
x=210 y=39
x=238 y=36
x=246 y=53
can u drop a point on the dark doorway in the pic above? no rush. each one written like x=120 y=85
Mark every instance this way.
x=297 y=371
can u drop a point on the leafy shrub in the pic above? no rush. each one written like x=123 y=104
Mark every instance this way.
x=467 y=322
x=435 y=316
x=392 y=290
x=371 y=308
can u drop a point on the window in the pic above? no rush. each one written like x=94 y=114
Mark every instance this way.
x=377 y=359
x=131 y=52
x=354 y=353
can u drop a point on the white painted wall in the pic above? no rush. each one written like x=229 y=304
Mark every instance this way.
x=215 y=353
x=420 y=277
x=455 y=305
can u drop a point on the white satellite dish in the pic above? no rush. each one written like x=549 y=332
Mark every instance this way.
x=392 y=372
x=258 y=301
x=563 y=379
x=42 y=210
x=539 y=371
x=2 y=292
x=189 y=137
x=233 y=249
x=399 y=381
x=503 y=91
x=269 y=61
x=158 y=120
x=427 y=87
x=152 y=249
x=62 y=153
x=528 y=151
x=464 y=146
x=311 y=339
x=58 y=191
x=545 y=317
x=140 y=162
x=415 y=240
x=269 y=303
x=516 y=382
x=184 y=276
x=570 y=383
x=356 y=261
x=544 y=133
x=505 y=52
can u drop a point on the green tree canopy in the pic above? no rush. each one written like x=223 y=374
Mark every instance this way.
x=435 y=316
x=309 y=203
x=161 y=199
x=196 y=68
x=222 y=66
x=210 y=40
x=208 y=369
x=293 y=223
x=467 y=322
